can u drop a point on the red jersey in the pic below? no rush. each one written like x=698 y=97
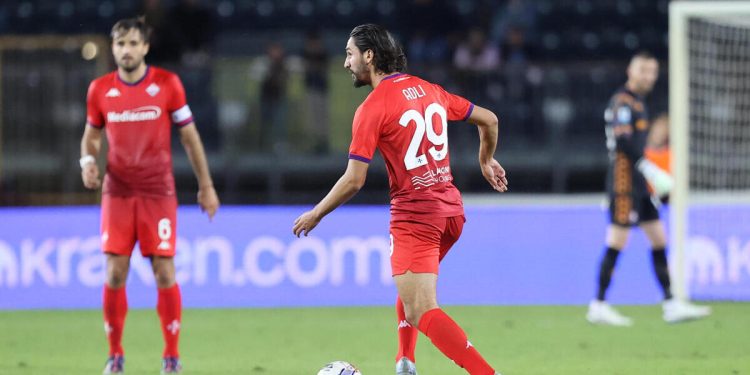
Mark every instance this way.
x=137 y=118
x=406 y=118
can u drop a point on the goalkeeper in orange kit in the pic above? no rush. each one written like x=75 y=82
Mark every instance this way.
x=630 y=200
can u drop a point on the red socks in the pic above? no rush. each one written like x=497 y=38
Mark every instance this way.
x=407 y=335
x=447 y=336
x=169 y=308
x=115 y=307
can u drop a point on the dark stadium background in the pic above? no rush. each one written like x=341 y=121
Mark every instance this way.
x=559 y=61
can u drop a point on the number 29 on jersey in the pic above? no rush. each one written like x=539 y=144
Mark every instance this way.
x=425 y=125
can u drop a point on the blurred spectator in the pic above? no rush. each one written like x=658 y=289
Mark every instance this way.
x=519 y=14
x=424 y=50
x=516 y=92
x=196 y=29
x=515 y=48
x=476 y=55
x=165 y=39
x=181 y=39
x=657 y=148
x=515 y=52
x=426 y=25
x=273 y=100
x=657 y=143
x=476 y=62
x=315 y=59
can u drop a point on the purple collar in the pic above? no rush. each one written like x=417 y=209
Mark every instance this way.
x=393 y=76
x=148 y=68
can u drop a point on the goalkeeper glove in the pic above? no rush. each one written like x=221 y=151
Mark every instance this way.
x=659 y=179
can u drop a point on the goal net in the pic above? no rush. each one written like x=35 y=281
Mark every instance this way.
x=710 y=140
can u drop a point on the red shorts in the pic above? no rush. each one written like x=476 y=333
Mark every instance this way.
x=419 y=244
x=150 y=221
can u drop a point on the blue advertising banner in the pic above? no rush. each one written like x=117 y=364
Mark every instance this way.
x=248 y=257
x=718 y=253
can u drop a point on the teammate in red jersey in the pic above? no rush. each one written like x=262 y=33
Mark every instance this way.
x=406 y=118
x=136 y=105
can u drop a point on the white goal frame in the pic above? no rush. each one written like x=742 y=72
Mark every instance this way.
x=679 y=98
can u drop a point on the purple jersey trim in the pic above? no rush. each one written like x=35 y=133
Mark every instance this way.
x=393 y=76
x=148 y=68
x=184 y=122
x=468 y=114
x=360 y=158
x=94 y=125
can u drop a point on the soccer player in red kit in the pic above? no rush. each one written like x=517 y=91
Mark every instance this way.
x=136 y=105
x=406 y=118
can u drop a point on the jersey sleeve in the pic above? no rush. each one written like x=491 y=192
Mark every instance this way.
x=177 y=105
x=94 y=116
x=459 y=109
x=365 y=133
x=622 y=119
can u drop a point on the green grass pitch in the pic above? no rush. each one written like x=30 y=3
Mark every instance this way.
x=516 y=339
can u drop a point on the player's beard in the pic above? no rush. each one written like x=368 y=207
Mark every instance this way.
x=648 y=87
x=130 y=66
x=360 y=79
x=644 y=89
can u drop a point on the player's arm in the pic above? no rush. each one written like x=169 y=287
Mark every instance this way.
x=91 y=144
x=623 y=127
x=191 y=141
x=344 y=189
x=487 y=123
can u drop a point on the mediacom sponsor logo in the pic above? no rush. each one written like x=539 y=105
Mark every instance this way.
x=147 y=113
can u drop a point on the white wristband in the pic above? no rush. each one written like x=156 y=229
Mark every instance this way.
x=84 y=161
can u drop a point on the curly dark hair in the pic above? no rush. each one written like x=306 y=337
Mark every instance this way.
x=389 y=55
x=123 y=26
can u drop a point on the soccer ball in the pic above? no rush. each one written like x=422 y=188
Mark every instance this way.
x=339 y=368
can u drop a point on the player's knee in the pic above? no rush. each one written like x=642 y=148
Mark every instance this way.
x=116 y=278
x=659 y=244
x=164 y=278
x=412 y=316
x=415 y=311
x=117 y=271
x=616 y=243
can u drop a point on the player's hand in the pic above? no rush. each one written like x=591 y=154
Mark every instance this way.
x=494 y=173
x=209 y=201
x=662 y=185
x=305 y=223
x=90 y=176
x=658 y=178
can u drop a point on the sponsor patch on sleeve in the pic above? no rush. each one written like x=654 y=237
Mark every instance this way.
x=624 y=115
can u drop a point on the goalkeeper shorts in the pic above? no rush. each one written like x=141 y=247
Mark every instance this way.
x=628 y=210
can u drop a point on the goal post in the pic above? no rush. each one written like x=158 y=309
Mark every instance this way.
x=709 y=101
